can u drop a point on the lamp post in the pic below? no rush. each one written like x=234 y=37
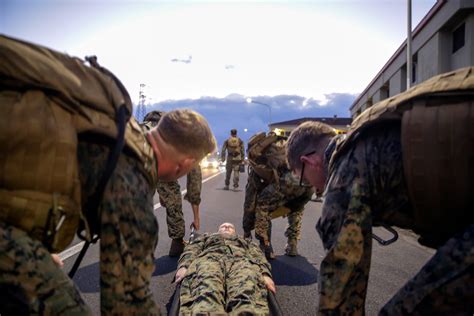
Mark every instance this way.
x=409 y=37
x=249 y=100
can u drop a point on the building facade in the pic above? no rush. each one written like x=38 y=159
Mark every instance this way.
x=443 y=41
x=341 y=124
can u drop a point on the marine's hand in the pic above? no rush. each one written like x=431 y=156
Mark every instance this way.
x=180 y=275
x=196 y=223
x=269 y=283
x=57 y=260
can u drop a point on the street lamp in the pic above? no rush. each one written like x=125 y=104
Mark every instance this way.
x=249 y=100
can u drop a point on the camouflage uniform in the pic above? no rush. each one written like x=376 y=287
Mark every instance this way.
x=30 y=282
x=266 y=199
x=128 y=232
x=225 y=274
x=170 y=196
x=65 y=100
x=366 y=187
x=233 y=162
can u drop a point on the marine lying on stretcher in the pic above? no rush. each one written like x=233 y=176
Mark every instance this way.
x=223 y=272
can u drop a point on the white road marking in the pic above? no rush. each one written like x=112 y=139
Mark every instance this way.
x=77 y=248
x=71 y=251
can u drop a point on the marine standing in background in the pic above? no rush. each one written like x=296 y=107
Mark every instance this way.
x=235 y=157
x=271 y=187
x=405 y=162
x=170 y=197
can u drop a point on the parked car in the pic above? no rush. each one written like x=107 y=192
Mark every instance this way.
x=210 y=163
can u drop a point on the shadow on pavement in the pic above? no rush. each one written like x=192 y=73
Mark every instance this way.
x=293 y=271
x=88 y=284
x=87 y=278
x=230 y=190
x=165 y=265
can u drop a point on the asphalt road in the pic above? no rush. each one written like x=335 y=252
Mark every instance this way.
x=296 y=277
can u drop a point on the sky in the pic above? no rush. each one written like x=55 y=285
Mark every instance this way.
x=299 y=56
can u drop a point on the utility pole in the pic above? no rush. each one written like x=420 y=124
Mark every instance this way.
x=141 y=107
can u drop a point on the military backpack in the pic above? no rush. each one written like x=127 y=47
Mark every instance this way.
x=437 y=135
x=266 y=155
x=48 y=102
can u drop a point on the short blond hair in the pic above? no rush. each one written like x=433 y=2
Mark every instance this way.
x=188 y=132
x=306 y=138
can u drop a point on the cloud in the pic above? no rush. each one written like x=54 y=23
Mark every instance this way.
x=184 y=61
x=233 y=111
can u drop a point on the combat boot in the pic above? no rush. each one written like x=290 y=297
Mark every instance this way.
x=291 y=248
x=177 y=247
x=267 y=250
x=226 y=187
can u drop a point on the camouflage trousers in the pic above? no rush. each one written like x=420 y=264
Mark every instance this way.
x=30 y=282
x=128 y=231
x=261 y=220
x=223 y=282
x=170 y=197
x=232 y=166
x=194 y=186
x=263 y=224
x=444 y=286
x=260 y=202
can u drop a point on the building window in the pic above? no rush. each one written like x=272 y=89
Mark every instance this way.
x=459 y=37
x=385 y=91
x=414 y=64
x=369 y=103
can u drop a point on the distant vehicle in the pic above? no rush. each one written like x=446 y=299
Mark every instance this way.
x=210 y=163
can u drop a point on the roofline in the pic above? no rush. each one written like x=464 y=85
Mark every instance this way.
x=307 y=118
x=434 y=9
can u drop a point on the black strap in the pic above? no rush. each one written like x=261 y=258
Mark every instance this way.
x=81 y=256
x=121 y=118
x=92 y=205
x=174 y=308
x=275 y=309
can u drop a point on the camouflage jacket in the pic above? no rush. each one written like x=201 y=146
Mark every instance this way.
x=365 y=187
x=218 y=244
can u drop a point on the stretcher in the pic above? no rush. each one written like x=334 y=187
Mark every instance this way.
x=274 y=307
